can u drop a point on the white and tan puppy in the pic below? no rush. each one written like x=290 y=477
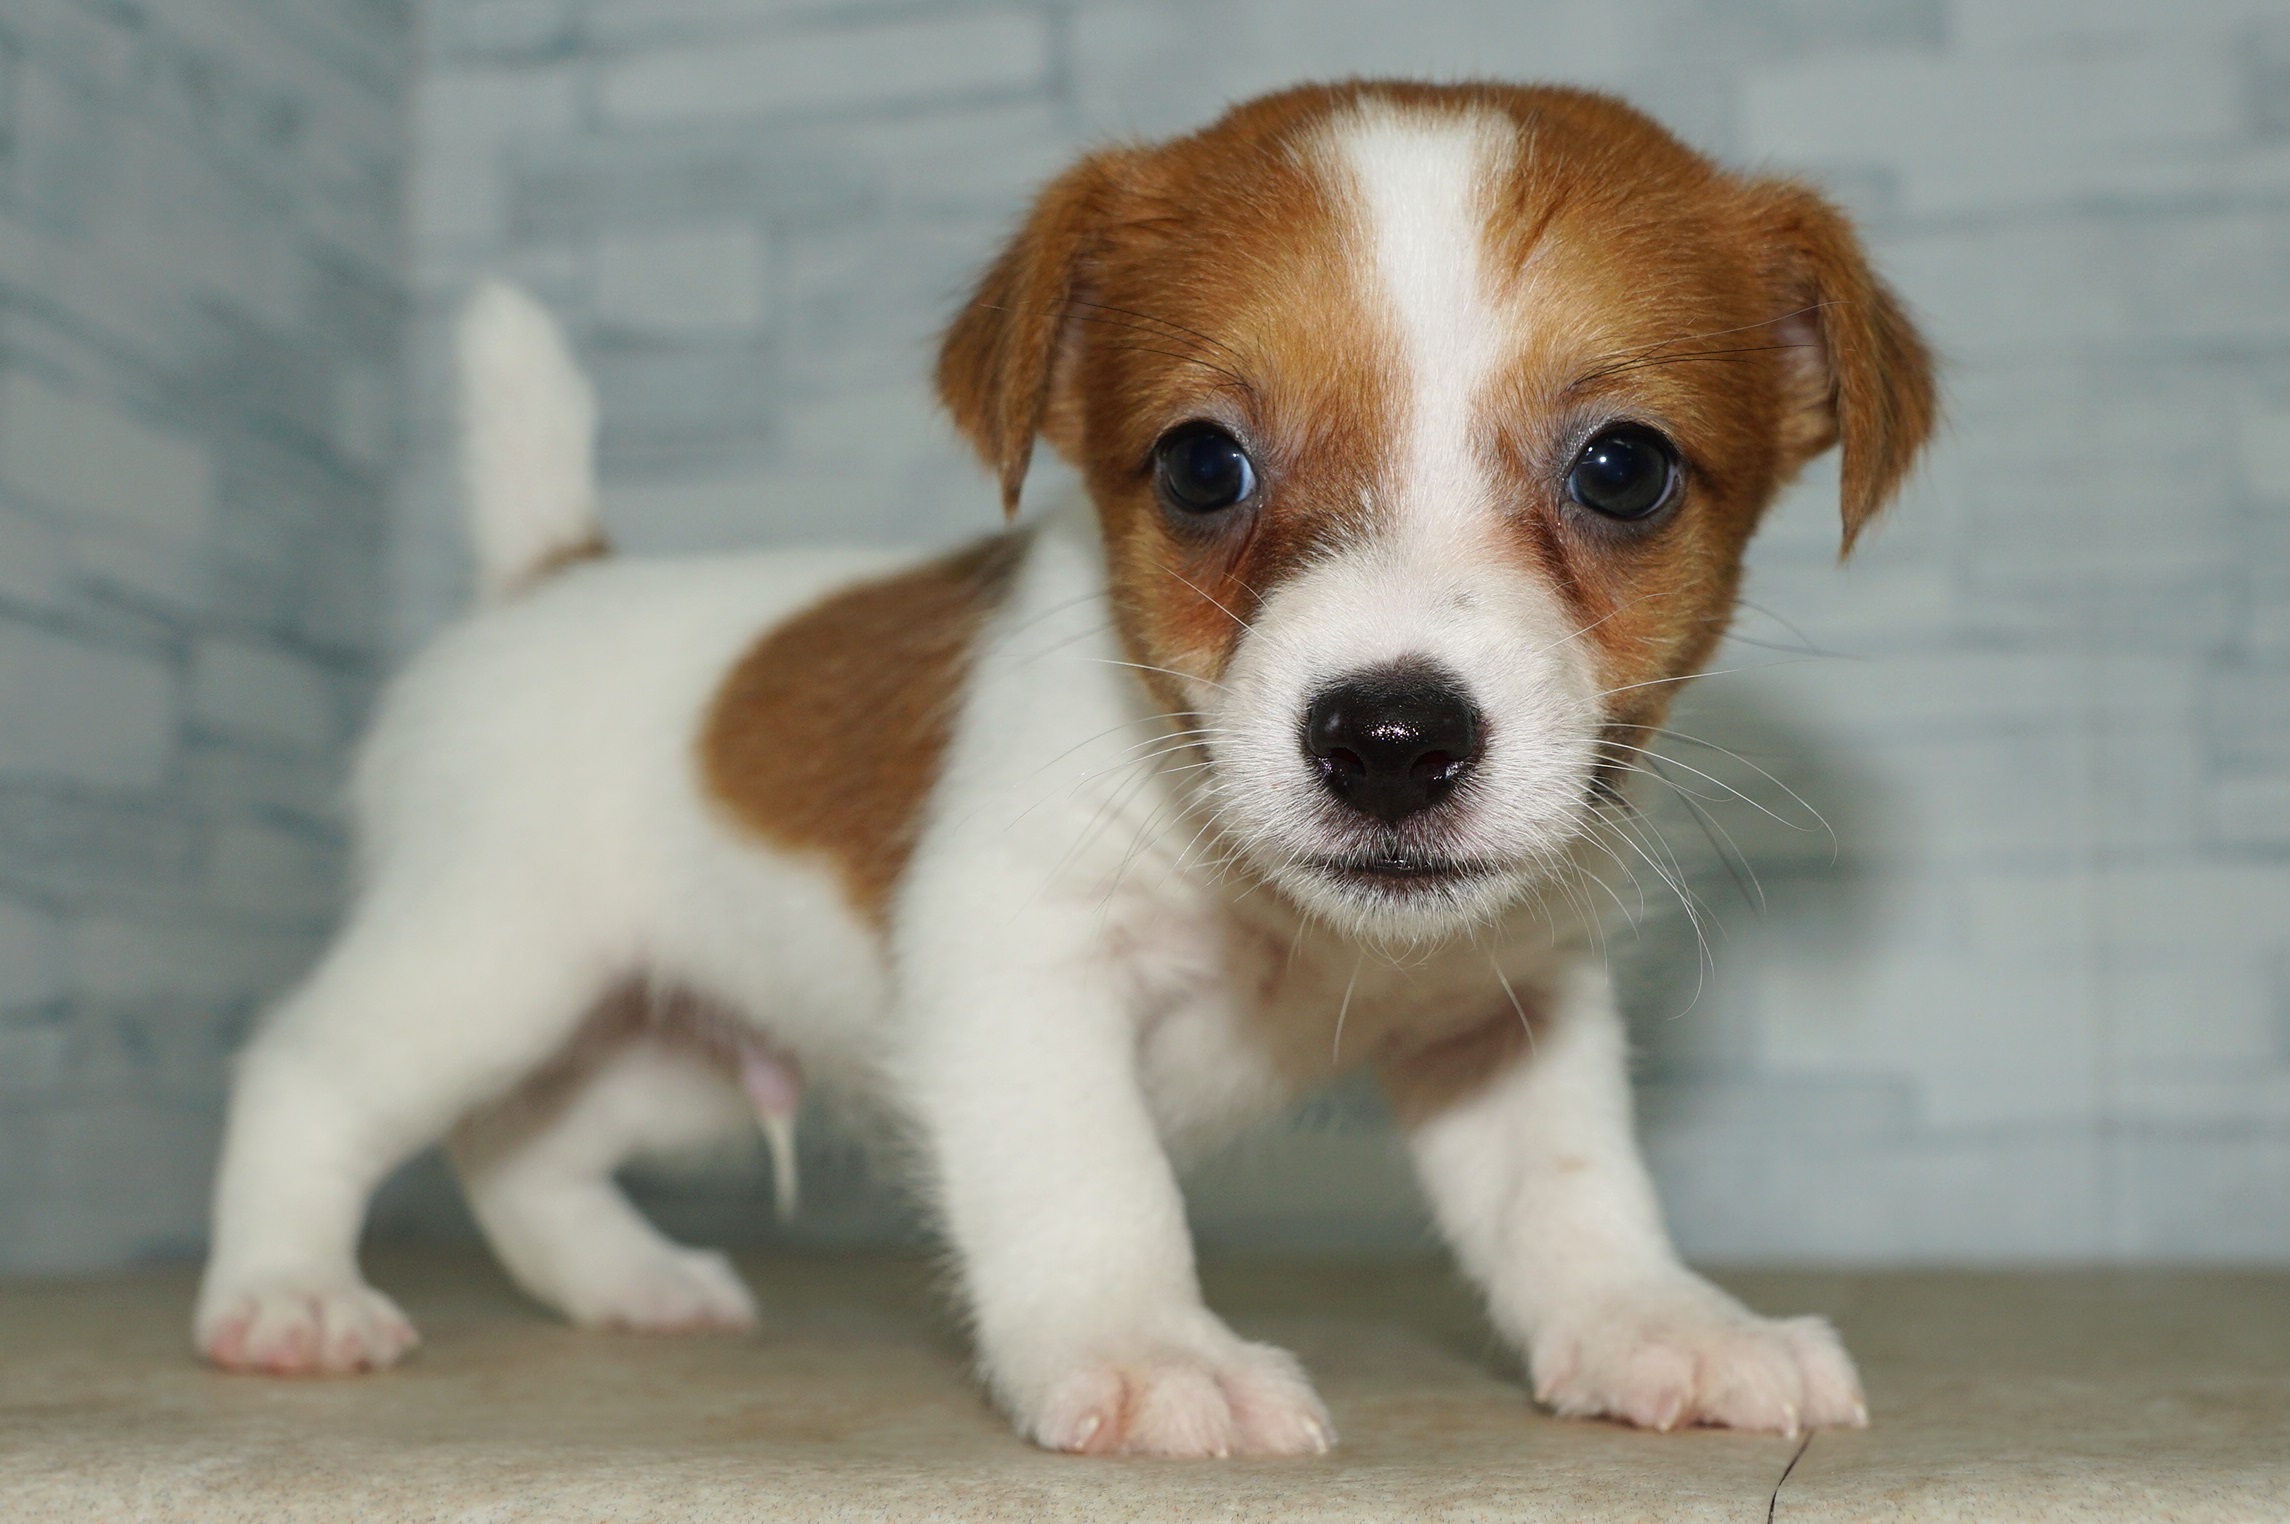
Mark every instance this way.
x=1423 y=428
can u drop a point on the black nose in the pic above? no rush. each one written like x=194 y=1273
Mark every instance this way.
x=1394 y=741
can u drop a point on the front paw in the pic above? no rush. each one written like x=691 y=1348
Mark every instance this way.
x=327 y=1327
x=1243 y=1399
x=1686 y=1353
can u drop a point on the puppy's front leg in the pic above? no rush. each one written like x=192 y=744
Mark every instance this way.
x=1534 y=1174
x=1066 y=1215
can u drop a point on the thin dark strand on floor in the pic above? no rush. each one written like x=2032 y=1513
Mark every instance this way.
x=1774 y=1501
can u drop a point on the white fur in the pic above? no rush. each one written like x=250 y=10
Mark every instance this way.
x=1537 y=1184
x=541 y=1186
x=1422 y=185
x=528 y=439
x=533 y=838
x=1075 y=990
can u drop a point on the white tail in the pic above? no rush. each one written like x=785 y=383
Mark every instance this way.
x=528 y=442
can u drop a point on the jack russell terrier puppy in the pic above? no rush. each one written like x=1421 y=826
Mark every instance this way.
x=1423 y=428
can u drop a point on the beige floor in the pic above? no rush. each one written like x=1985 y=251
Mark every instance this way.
x=1996 y=1397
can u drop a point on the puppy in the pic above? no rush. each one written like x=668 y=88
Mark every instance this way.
x=1422 y=429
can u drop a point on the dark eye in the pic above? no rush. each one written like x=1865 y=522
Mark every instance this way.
x=1626 y=472
x=1202 y=469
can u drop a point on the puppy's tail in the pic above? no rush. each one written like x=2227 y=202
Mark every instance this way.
x=528 y=443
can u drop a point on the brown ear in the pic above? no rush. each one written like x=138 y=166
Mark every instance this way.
x=999 y=358
x=1865 y=375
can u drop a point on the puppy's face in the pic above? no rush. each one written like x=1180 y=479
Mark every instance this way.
x=1427 y=427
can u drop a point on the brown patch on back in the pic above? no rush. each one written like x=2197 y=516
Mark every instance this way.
x=827 y=736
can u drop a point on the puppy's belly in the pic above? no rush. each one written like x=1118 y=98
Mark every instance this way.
x=773 y=935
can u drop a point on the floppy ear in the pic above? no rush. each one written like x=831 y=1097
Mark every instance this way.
x=999 y=360
x=1863 y=374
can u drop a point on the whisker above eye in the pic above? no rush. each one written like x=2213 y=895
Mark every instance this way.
x=1168 y=330
x=1227 y=372
x=1150 y=317
x=1626 y=355
x=1647 y=362
x=1147 y=324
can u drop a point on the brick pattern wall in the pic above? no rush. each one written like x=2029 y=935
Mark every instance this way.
x=199 y=317
x=2022 y=987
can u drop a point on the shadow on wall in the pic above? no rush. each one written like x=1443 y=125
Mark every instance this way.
x=1773 y=836
x=1754 y=813
x=1774 y=833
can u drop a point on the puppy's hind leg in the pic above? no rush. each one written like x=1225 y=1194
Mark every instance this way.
x=434 y=998
x=538 y=1169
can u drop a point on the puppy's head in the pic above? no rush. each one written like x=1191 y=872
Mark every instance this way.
x=1427 y=426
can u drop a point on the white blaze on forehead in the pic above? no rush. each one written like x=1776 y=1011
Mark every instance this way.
x=1423 y=183
x=1419 y=189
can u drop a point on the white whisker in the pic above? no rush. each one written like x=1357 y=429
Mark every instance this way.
x=1336 y=1050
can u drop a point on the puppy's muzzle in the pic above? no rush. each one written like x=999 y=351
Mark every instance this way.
x=1394 y=741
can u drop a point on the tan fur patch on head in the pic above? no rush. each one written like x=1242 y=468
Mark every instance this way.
x=1218 y=277
x=827 y=737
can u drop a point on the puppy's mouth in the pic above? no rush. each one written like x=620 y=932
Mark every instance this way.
x=1402 y=872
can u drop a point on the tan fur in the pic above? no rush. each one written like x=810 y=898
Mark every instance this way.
x=1422 y=1079
x=827 y=736
x=595 y=547
x=1209 y=277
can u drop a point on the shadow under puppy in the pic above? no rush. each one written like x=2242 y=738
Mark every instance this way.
x=1423 y=429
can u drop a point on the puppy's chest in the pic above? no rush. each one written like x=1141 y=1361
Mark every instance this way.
x=1235 y=1015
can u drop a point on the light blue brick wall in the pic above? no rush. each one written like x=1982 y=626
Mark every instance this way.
x=200 y=306
x=2033 y=998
